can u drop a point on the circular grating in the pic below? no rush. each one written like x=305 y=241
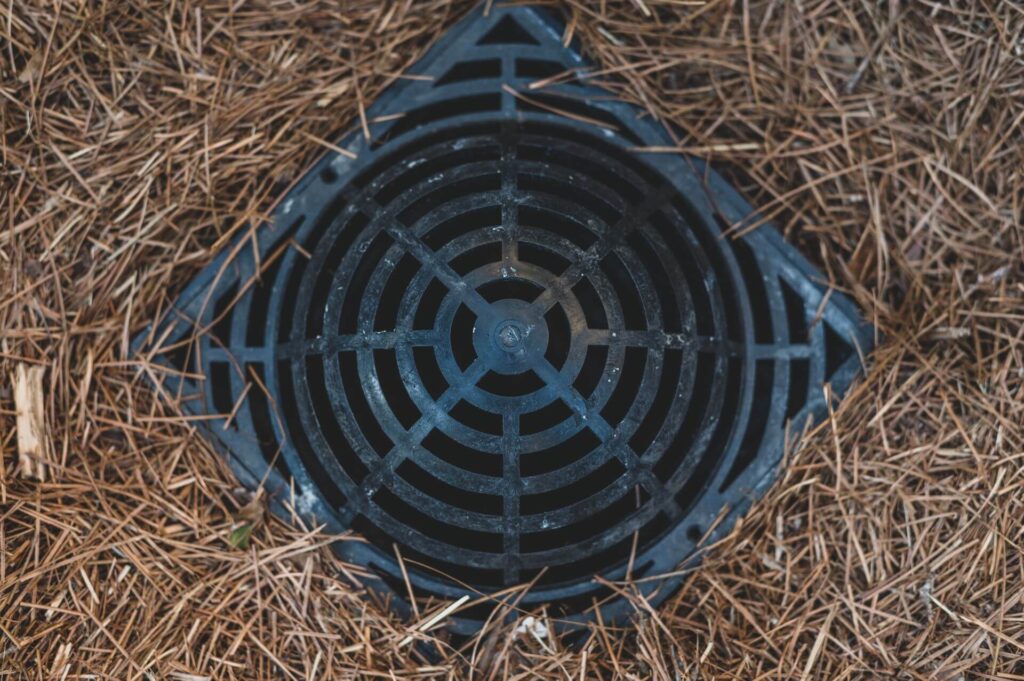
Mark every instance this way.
x=516 y=317
x=504 y=345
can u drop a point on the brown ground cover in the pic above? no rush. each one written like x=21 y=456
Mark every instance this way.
x=885 y=140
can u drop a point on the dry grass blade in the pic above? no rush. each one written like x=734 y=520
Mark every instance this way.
x=883 y=138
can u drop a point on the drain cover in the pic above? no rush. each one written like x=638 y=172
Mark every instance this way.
x=506 y=342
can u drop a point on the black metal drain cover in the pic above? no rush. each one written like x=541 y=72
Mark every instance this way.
x=503 y=341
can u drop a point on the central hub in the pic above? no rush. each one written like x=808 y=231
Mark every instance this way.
x=513 y=338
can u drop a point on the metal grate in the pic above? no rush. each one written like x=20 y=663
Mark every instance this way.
x=507 y=343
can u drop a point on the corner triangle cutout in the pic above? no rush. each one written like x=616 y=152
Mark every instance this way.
x=837 y=351
x=507 y=32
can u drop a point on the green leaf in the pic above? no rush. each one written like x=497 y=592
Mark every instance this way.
x=239 y=537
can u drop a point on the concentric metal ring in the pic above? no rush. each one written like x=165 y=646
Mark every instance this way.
x=514 y=325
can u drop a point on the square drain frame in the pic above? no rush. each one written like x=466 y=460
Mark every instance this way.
x=509 y=232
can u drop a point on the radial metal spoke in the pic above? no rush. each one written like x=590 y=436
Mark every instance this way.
x=661 y=495
x=410 y=441
x=444 y=273
x=326 y=345
x=655 y=339
x=376 y=340
x=652 y=339
x=613 y=236
x=611 y=436
x=576 y=402
x=509 y=208
x=510 y=444
x=407 y=239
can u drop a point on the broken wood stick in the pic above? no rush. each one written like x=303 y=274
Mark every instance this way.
x=31 y=422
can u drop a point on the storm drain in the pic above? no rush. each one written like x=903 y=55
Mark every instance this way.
x=506 y=343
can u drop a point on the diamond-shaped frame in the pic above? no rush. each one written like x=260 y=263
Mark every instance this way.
x=787 y=336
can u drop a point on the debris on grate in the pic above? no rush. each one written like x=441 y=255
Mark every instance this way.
x=499 y=338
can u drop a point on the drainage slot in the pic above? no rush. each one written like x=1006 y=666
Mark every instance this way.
x=764 y=376
x=429 y=371
x=435 y=529
x=430 y=303
x=348 y=362
x=652 y=423
x=454 y=496
x=540 y=69
x=837 y=351
x=476 y=418
x=560 y=224
x=559 y=456
x=298 y=439
x=559 y=336
x=540 y=102
x=394 y=291
x=531 y=504
x=590 y=301
x=448 y=192
x=510 y=288
x=460 y=106
x=222 y=313
x=546 y=417
x=471 y=70
x=627 y=388
x=462 y=456
x=393 y=388
x=332 y=433
x=482 y=255
x=220 y=387
x=262 y=423
x=511 y=385
x=543 y=257
x=462 y=337
x=760 y=309
x=467 y=222
x=799 y=377
x=563 y=189
x=625 y=289
x=592 y=371
x=507 y=32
